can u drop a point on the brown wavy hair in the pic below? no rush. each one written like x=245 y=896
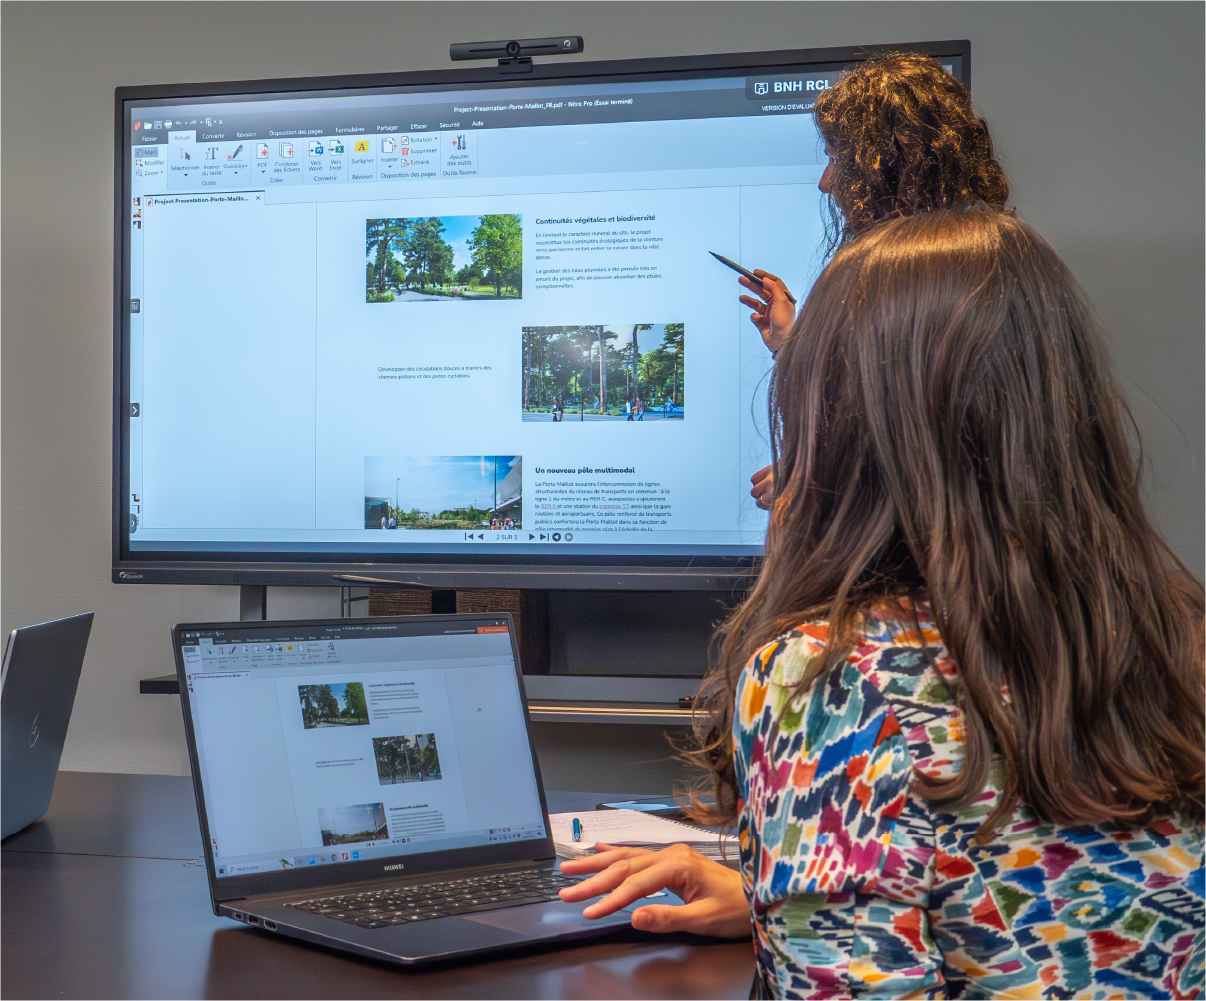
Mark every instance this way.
x=944 y=416
x=904 y=138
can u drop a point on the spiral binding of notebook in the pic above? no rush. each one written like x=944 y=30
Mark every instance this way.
x=633 y=829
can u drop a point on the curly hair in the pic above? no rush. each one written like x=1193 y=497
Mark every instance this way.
x=904 y=138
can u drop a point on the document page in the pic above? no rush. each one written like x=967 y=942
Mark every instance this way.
x=634 y=829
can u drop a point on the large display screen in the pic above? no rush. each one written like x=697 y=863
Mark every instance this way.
x=418 y=322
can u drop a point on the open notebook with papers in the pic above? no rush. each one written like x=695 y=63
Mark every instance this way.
x=634 y=829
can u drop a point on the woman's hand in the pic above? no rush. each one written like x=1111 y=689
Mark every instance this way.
x=763 y=489
x=773 y=312
x=715 y=902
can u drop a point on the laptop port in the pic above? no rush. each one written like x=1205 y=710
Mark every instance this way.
x=270 y=925
x=252 y=919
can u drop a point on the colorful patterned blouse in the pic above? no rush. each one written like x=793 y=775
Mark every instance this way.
x=859 y=888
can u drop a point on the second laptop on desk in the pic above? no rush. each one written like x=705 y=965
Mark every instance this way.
x=371 y=785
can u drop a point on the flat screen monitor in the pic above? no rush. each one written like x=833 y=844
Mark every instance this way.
x=458 y=328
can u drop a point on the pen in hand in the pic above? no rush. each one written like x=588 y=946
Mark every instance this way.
x=748 y=274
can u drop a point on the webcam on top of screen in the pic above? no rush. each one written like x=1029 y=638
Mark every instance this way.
x=515 y=56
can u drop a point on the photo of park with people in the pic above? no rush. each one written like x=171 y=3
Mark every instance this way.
x=466 y=492
x=406 y=759
x=343 y=825
x=603 y=372
x=442 y=258
x=333 y=705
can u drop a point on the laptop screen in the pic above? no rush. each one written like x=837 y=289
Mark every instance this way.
x=325 y=743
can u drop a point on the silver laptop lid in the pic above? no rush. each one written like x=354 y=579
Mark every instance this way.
x=330 y=751
x=41 y=672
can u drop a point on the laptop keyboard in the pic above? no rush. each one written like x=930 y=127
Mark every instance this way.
x=424 y=901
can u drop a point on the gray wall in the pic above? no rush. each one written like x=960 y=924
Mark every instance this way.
x=1097 y=110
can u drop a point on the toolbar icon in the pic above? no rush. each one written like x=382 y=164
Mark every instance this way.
x=389 y=145
x=287 y=150
x=261 y=151
x=316 y=147
x=335 y=149
x=362 y=145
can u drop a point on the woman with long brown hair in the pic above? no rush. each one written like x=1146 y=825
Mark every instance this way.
x=902 y=137
x=959 y=721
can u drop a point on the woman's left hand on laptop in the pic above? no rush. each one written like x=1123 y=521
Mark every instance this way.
x=714 y=901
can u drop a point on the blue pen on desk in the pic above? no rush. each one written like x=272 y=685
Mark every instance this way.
x=577 y=829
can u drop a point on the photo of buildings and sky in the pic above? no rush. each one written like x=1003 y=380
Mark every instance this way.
x=342 y=825
x=443 y=491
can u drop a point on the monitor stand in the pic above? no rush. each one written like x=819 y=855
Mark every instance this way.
x=585 y=647
x=443 y=601
x=253 y=602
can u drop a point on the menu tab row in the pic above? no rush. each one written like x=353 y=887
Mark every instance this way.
x=186 y=162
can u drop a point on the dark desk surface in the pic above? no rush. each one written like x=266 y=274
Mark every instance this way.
x=105 y=898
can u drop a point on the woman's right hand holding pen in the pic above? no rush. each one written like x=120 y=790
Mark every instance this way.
x=773 y=314
x=773 y=311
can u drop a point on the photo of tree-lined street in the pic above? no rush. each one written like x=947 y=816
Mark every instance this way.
x=603 y=372
x=442 y=258
x=406 y=759
x=333 y=705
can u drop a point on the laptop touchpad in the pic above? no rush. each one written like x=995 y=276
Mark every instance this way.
x=537 y=920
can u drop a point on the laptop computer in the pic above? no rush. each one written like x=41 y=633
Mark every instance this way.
x=370 y=785
x=41 y=672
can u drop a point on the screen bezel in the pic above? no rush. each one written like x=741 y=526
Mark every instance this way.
x=689 y=570
x=226 y=888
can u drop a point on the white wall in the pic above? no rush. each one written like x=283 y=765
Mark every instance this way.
x=1097 y=110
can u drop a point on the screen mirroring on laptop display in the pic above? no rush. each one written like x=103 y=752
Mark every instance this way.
x=330 y=744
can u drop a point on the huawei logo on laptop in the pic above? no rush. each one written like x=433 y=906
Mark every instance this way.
x=391 y=868
x=34 y=732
